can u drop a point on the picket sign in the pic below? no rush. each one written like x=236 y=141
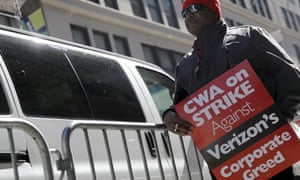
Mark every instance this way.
x=239 y=129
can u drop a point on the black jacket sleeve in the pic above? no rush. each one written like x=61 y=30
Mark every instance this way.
x=179 y=95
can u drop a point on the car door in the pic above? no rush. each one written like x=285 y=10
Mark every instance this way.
x=114 y=96
x=44 y=89
x=10 y=137
x=160 y=87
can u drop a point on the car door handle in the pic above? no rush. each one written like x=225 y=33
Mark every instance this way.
x=166 y=142
x=21 y=156
x=151 y=145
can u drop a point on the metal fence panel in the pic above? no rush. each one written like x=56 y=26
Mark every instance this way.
x=11 y=124
x=87 y=128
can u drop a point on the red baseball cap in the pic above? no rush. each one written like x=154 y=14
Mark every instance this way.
x=214 y=5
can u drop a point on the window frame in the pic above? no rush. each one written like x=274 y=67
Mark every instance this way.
x=123 y=41
x=170 y=13
x=5 y=87
x=138 y=8
x=112 y=4
x=162 y=77
x=94 y=1
x=297 y=50
x=155 y=57
x=83 y=30
x=89 y=86
x=239 y=2
x=155 y=11
x=105 y=37
x=262 y=8
x=42 y=101
x=286 y=17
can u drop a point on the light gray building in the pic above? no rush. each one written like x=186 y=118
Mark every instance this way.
x=151 y=30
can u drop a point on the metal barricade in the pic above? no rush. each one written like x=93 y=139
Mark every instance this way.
x=104 y=127
x=11 y=124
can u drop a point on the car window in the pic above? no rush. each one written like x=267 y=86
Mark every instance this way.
x=3 y=102
x=108 y=88
x=44 y=80
x=160 y=87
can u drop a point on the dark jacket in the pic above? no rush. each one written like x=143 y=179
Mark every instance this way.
x=222 y=47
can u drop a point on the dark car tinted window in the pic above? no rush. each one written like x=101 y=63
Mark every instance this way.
x=44 y=80
x=3 y=102
x=108 y=89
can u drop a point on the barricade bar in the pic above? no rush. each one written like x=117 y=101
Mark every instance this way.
x=122 y=128
x=11 y=124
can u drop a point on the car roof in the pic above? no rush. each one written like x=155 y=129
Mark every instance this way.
x=18 y=33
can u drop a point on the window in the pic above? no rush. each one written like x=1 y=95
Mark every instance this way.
x=261 y=7
x=80 y=34
x=160 y=88
x=149 y=53
x=239 y=2
x=170 y=13
x=298 y=20
x=108 y=89
x=122 y=46
x=95 y=1
x=292 y=1
x=102 y=40
x=242 y=3
x=292 y=20
x=164 y=58
x=154 y=10
x=9 y=18
x=177 y=56
x=45 y=82
x=138 y=8
x=4 y=20
x=111 y=3
x=3 y=102
x=286 y=17
x=297 y=49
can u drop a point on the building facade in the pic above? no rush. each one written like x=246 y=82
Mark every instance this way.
x=151 y=30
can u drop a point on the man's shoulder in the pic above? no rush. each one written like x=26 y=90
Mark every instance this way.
x=186 y=59
x=243 y=30
x=188 y=54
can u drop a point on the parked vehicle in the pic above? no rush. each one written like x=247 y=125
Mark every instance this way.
x=50 y=87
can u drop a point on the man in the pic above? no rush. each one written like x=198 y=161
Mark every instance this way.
x=217 y=48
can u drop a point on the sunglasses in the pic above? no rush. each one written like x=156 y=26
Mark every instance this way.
x=192 y=9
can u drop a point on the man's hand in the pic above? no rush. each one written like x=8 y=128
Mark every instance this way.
x=177 y=125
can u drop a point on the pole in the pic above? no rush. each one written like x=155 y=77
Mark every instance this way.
x=18 y=13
